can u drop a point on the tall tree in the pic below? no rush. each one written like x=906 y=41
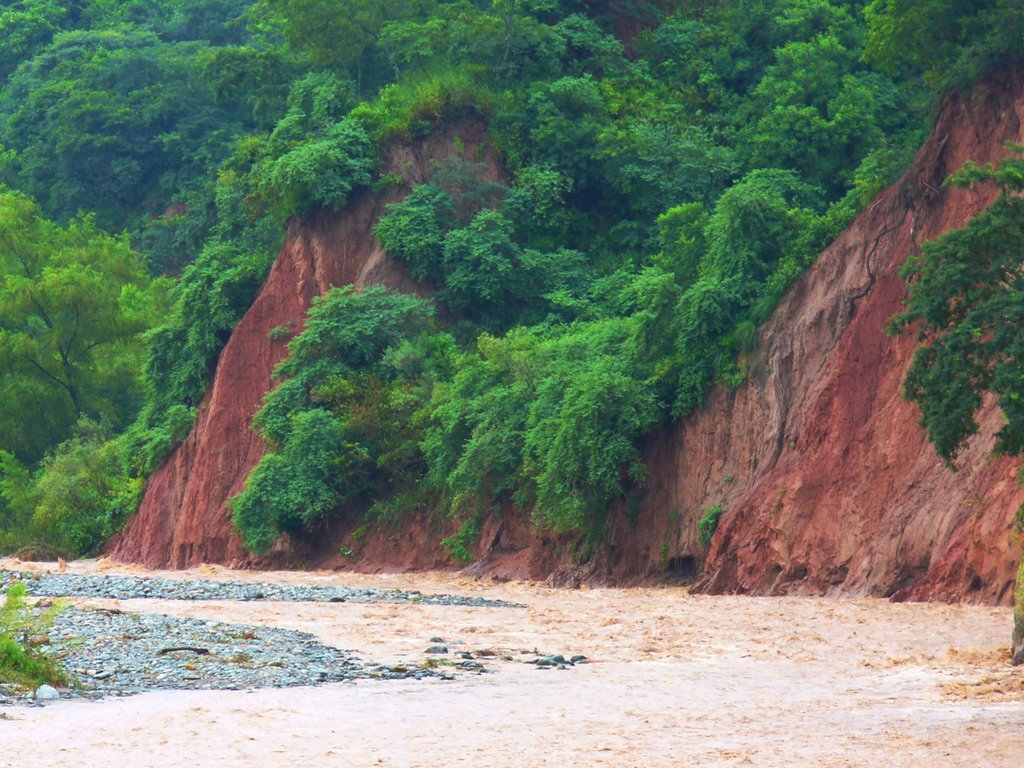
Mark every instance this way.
x=967 y=299
x=73 y=302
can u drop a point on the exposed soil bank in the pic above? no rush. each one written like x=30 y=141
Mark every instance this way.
x=827 y=482
x=184 y=518
x=675 y=679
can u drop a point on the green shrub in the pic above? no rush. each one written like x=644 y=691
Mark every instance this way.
x=16 y=507
x=417 y=106
x=337 y=428
x=708 y=524
x=452 y=236
x=83 y=493
x=414 y=230
x=582 y=434
x=459 y=545
x=320 y=172
x=78 y=497
x=19 y=625
x=314 y=470
x=551 y=422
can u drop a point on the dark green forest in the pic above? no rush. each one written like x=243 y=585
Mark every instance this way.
x=668 y=170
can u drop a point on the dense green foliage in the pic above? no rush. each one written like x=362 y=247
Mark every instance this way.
x=335 y=423
x=111 y=107
x=73 y=302
x=948 y=42
x=655 y=197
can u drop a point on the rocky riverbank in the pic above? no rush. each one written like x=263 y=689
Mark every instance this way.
x=116 y=587
x=107 y=651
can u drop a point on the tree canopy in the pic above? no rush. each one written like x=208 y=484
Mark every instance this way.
x=73 y=303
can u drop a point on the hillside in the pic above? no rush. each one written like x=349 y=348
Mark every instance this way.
x=725 y=294
x=827 y=483
x=183 y=518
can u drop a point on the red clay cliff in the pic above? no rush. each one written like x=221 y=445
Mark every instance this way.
x=184 y=518
x=826 y=481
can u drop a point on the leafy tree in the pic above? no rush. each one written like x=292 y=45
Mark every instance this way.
x=481 y=270
x=341 y=38
x=322 y=458
x=16 y=509
x=300 y=484
x=73 y=303
x=26 y=26
x=82 y=493
x=504 y=38
x=473 y=439
x=655 y=166
x=583 y=428
x=967 y=299
x=316 y=154
x=414 y=230
x=321 y=172
x=103 y=120
x=564 y=118
x=946 y=42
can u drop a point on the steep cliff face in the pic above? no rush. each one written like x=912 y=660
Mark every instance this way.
x=826 y=481
x=183 y=519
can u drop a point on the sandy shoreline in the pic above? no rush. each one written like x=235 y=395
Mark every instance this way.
x=675 y=680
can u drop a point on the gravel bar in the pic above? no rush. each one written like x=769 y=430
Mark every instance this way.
x=136 y=587
x=108 y=652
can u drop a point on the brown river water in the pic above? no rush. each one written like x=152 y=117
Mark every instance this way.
x=674 y=680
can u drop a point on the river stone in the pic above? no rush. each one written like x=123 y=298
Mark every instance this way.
x=47 y=693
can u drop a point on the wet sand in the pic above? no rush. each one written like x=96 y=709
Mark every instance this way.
x=674 y=680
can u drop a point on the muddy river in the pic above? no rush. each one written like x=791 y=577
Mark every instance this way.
x=672 y=680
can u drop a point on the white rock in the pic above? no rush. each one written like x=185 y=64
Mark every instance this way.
x=47 y=693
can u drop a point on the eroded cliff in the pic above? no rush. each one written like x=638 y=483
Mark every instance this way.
x=184 y=518
x=825 y=478
x=826 y=481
